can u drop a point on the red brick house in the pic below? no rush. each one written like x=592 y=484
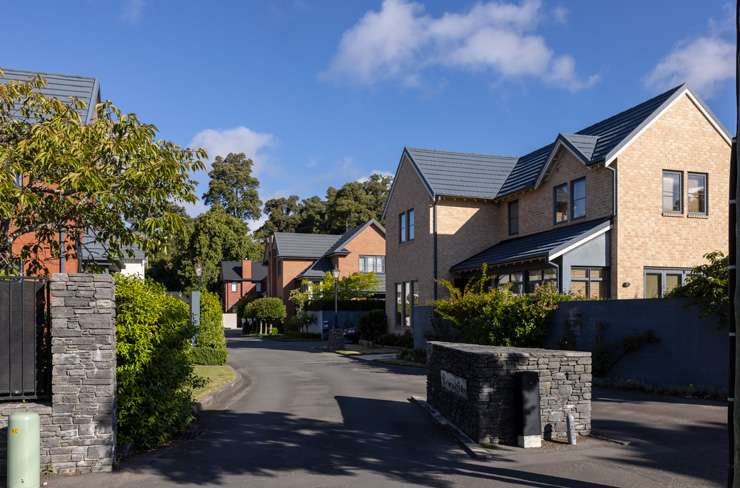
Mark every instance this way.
x=240 y=278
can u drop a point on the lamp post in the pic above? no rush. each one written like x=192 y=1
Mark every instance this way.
x=195 y=303
x=335 y=274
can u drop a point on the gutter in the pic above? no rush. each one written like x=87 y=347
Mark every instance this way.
x=434 y=234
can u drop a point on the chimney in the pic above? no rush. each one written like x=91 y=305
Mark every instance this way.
x=246 y=269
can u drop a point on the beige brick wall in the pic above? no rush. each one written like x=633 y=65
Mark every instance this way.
x=463 y=229
x=536 y=206
x=408 y=261
x=681 y=139
x=370 y=242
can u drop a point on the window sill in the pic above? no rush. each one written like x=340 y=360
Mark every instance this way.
x=698 y=216
x=672 y=214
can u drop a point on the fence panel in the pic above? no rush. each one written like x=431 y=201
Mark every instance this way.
x=23 y=358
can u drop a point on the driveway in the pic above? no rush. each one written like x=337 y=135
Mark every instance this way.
x=315 y=419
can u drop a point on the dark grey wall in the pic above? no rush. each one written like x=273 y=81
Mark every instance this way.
x=594 y=253
x=692 y=349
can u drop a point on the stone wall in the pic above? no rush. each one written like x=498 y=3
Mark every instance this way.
x=78 y=424
x=476 y=388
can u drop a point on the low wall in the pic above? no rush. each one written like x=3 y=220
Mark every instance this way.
x=476 y=388
x=230 y=321
x=691 y=349
x=78 y=424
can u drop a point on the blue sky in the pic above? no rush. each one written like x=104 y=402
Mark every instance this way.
x=320 y=93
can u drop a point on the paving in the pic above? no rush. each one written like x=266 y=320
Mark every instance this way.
x=315 y=419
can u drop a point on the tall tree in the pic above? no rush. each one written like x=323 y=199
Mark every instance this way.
x=233 y=187
x=356 y=202
x=282 y=215
x=216 y=236
x=111 y=176
x=312 y=215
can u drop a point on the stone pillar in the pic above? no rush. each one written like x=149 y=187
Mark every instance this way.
x=82 y=434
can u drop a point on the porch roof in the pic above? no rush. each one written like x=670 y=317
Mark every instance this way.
x=543 y=245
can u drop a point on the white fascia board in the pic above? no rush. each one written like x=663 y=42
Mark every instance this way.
x=551 y=158
x=579 y=243
x=610 y=158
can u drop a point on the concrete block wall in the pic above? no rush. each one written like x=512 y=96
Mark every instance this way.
x=78 y=429
x=484 y=403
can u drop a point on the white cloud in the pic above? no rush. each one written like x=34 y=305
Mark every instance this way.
x=132 y=10
x=220 y=142
x=703 y=63
x=401 y=40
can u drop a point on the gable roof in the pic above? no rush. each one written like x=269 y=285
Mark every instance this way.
x=232 y=271
x=324 y=265
x=91 y=249
x=459 y=174
x=303 y=245
x=490 y=176
x=543 y=245
x=63 y=87
x=593 y=145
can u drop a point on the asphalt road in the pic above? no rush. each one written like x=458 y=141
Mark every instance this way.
x=315 y=419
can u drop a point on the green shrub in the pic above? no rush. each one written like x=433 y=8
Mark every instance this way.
x=298 y=323
x=372 y=325
x=405 y=340
x=363 y=304
x=707 y=286
x=210 y=345
x=154 y=374
x=266 y=311
x=497 y=316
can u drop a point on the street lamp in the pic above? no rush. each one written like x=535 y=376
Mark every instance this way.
x=335 y=274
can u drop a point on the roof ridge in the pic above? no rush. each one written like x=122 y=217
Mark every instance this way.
x=461 y=153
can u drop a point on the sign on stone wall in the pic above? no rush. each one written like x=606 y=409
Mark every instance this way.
x=454 y=384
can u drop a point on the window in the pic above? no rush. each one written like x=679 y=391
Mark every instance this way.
x=402 y=227
x=560 y=197
x=578 y=198
x=661 y=281
x=410 y=236
x=590 y=283
x=372 y=264
x=514 y=217
x=513 y=281
x=697 y=193
x=539 y=277
x=672 y=192
x=406 y=299
x=258 y=287
x=233 y=288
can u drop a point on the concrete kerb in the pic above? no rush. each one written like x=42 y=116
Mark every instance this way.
x=223 y=395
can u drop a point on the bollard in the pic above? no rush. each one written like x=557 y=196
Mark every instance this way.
x=24 y=450
x=570 y=423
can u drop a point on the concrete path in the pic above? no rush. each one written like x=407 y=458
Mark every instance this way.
x=315 y=419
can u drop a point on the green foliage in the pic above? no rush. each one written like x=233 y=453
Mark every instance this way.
x=111 y=174
x=499 y=317
x=405 y=340
x=298 y=323
x=233 y=187
x=210 y=345
x=154 y=374
x=342 y=209
x=270 y=310
x=352 y=287
x=708 y=286
x=372 y=325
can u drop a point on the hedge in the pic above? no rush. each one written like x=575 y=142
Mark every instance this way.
x=347 y=305
x=154 y=374
x=210 y=346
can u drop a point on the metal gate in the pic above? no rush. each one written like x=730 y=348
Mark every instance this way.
x=25 y=359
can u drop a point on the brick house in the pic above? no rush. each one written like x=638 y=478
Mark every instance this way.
x=63 y=87
x=240 y=278
x=620 y=209
x=294 y=257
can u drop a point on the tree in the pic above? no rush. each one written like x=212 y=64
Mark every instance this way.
x=110 y=176
x=233 y=187
x=282 y=215
x=356 y=202
x=266 y=312
x=352 y=287
x=312 y=215
x=162 y=265
x=216 y=236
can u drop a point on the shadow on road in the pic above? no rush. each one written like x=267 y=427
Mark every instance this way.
x=385 y=437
